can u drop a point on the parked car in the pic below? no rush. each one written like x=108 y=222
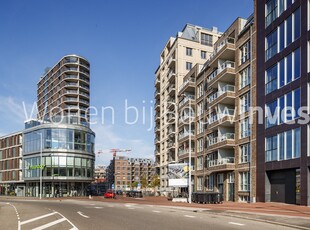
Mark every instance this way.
x=109 y=194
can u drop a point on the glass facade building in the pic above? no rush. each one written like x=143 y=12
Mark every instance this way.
x=67 y=159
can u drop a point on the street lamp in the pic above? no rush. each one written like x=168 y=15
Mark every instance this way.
x=41 y=166
x=189 y=153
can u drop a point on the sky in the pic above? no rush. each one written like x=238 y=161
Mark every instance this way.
x=122 y=41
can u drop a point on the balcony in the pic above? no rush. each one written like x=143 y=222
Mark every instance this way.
x=227 y=138
x=226 y=95
x=84 y=87
x=224 y=49
x=74 y=92
x=170 y=103
x=171 y=61
x=223 y=73
x=223 y=164
x=71 y=84
x=157 y=83
x=171 y=76
x=186 y=151
x=84 y=94
x=156 y=94
x=170 y=117
x=224 y=118
x=157 y=106
x=171 y=131
x=187 y=83
x=186 y=134
x=171 y=145
x=171 y=90
x=187 y=99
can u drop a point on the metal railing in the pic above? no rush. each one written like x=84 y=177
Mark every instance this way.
x=225 y=65
x=222 y=161
x=225 y=89
x=186 y=99
x=189 y=80
x=223 y=137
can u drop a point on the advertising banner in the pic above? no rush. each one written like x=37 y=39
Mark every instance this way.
x=178 y=175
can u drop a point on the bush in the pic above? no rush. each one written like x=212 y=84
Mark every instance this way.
x=12 y=193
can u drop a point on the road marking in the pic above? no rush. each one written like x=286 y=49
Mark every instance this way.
x=37 y=218
x=81 y=214
x=156 y=211
x=189 y=216
x=131 y=208
x=98 y=207
x=234 y=223
x=91 y=204
x=74 y=227
x=50 y=224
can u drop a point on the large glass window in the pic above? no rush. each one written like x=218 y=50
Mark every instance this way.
x=271 y=148
x=282 y=73
x=289 y=30
x=289 y=146
x=297 y=24
x=281 y=146
x=245 y=153
x=245 y=102
x=297 y=62
x=245 y=77
x=297 y=145
x=271 y=79
x=271 y=11
x=245 y=128
x=244 y=181
x=289 y=68
x=271 y=46
x=271 y=114
x=282 y=37
x=206 y=39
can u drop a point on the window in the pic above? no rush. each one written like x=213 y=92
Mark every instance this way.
x=297 y=65
x=245 y=153
x=245 y=52
x=271 y=79
x=297 y=143
x=271 y=46
x=282 y=73
x=189 y=51
x=245 y=128
x=245 y=102
x=199 y=163
x=203 y=54
x=206 y=39
x=244 y=181
x=200 y=90
x=289 y=30
x=297 y=23
x=289 y=144
x=188 y=65
x=199 y=183
x=200 y=145
x=245 y=77
x=271 y=114
x=271 y=148
x=281 y=37
x=271 y=11
x=209 y=182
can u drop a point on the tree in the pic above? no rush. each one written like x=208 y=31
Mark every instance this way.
x=134 y=184
x=155 y=181
x=144 y=181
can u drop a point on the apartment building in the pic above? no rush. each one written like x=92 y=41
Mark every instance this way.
x=130 y=170
x=11 y=181
x=283 y=68
x=64 y=91
x=215 y=123
x=192 y=45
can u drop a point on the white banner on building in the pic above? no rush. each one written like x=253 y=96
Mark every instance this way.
x=178 y=175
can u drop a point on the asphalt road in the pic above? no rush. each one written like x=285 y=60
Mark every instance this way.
x=75 y=214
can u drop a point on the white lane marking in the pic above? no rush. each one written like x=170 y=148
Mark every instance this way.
x=131 y=208
x=17 y=214
x=50 y=224
x=91 y=204
x=37 y=218
x=234 y=223
x=74 y=227
x=81 y=214
x=98 y=207
x=156 y=211
x=189 y=216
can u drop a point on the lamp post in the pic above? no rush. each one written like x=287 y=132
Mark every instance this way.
x=189 y=153
x=41 y=166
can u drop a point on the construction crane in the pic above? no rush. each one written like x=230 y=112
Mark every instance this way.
x=114 y=151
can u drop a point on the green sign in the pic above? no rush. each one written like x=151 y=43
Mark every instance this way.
x=33 y=167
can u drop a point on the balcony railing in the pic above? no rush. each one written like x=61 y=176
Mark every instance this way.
x=224 y=137
x=171 y=88
x=221 y=45
x=222 y=161
x=225 y=65
x=186 y=99
x=190 y=80
x=225 y=89
x=226 y=112
x=186 y=151
x=186 y=134
x=170 y=74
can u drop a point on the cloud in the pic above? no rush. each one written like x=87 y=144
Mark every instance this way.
x=107 y=138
